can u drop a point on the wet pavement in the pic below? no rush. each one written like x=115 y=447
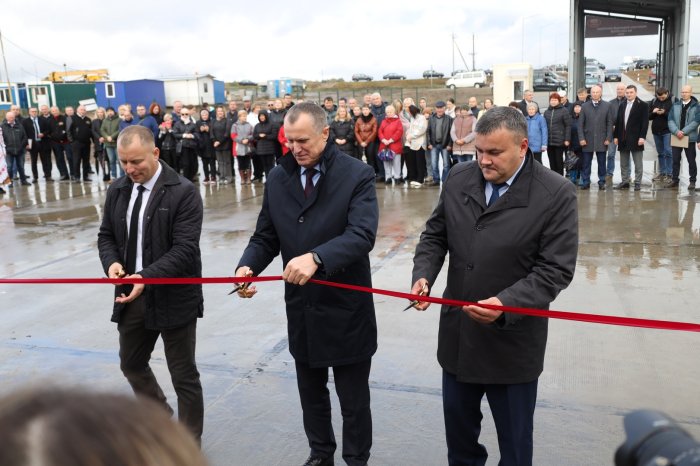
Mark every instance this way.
x=639 y=256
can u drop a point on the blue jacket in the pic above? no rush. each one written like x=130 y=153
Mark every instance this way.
x=149 y=122
x=536 y=132
x=691 y=119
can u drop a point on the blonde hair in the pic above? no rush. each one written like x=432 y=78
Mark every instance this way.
x=337 y=114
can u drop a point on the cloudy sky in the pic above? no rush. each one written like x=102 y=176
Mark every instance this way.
x=260 y=40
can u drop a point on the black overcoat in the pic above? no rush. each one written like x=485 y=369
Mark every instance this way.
x=327 y=326
x=522 y=250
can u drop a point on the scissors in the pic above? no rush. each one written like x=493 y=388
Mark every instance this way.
x=121 y=273
x=240 y=287
x=416 y=302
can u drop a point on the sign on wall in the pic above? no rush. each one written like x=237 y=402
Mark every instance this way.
x=607 y=26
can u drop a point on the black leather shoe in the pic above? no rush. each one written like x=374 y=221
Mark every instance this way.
x=623 y=185
x=318 y=461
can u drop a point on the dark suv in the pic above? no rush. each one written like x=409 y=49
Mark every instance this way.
x=432 y=74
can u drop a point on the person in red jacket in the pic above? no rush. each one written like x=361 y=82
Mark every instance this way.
x=283 y=141
x=390 y=136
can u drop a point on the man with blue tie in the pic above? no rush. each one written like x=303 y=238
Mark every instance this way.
x=511 y=229
x=320 y=212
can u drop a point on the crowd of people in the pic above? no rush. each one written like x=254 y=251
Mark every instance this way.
x=405 y=142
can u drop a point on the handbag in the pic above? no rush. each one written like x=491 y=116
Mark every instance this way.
x=386 y=155
x=571 y=160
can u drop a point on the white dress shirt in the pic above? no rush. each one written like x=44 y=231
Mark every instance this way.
x=144 y=202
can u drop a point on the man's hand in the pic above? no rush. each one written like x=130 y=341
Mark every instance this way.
x=250 y=291
x=640 y=142
x=680 y=134
x=300 y=269
x=135 y=292
x=583 y=142
x=421 y=288
x=483 y=315
x=116 y=270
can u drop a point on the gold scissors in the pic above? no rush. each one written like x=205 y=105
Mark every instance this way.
x=121 y=273
x=416 y=302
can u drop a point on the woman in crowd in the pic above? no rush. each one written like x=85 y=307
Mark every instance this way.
x=390 y=142
x=427 y=113
x=366 y=136
x=462 y=133
x=422 y=104
x=342 y=132
x=488 y=104
x=558 y=121
x=536 y=131
x=98 y=142
x=242 y=133
x=167 y=142
x=185 y=131
x=265 y=137
x=414 y=148
x=221 y=142
x=109 y=130
x=155 y=111
x=574 y=172
x=205 y=147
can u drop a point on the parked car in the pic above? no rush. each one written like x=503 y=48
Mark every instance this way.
x=644 y=64
x=559 y=67
x=626 y=66
x=474 y=79
x=548 y=84
x=613 y=75
x=652 y=76
x=432 y=74
x=593 y=70
x=361 y=77
x=592 y=80
x=693 y=73
x=393 y=76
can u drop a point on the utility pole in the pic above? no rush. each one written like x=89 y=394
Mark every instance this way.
x=473 y=54
x=453 y=53
x=7 y=74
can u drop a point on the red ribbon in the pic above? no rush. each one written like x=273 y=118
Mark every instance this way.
x=575 y=316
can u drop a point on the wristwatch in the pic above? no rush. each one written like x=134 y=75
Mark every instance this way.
x=317 y=259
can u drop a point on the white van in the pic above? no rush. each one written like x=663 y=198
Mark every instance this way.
x=467 y=79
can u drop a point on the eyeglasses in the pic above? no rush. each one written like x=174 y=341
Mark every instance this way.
x=184 y=114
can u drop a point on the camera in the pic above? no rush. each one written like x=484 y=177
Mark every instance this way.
x=654 y=439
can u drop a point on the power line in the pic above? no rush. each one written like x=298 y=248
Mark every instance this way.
x=34 y=55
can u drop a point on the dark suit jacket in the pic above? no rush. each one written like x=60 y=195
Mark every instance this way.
x=327 y=326
x=637 y=125
x=31 y=131
x=172 y=223
x=522 y=249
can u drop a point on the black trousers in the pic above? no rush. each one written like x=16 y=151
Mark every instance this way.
x=41 y=151
x=268 y=162
x=352 y=387
x=135 y=347
x=258 y=167
x=188 y=163
x=415 y=164
x=556 y=158
x=692 y=165
x=513 y=409
x=81 y=156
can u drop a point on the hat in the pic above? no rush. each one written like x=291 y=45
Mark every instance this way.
x=439 y=104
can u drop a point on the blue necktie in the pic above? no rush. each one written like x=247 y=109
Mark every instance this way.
x=495 y=192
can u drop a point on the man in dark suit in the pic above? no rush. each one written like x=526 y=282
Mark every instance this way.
x=631 y=127
x=511 y=229
x=150 y=229
x=320 y=212
x=37 y=130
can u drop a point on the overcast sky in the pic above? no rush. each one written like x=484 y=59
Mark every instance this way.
x=260 y=40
